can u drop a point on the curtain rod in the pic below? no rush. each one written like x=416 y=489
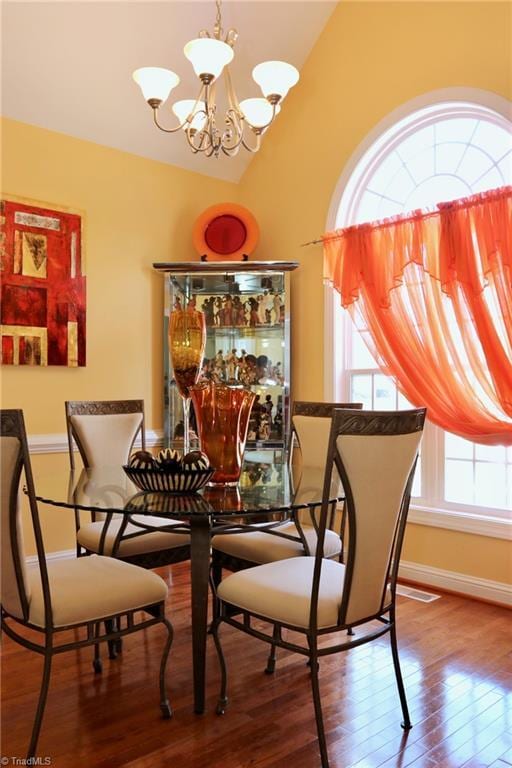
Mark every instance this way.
x=311 y=242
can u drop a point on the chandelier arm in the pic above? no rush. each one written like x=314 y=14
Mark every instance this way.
x=238 y=127
x=162 y=128
x=256 y=147
x=232 y=97
x=193 y=145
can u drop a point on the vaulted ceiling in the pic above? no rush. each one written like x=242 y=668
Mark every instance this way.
x=67 y=66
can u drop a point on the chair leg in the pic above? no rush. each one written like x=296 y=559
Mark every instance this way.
x=215 y=580
x=318 y=706
x=164 y=701
x=96 y=662
x=406 y=724
x=223 y=700
x=45 y=683
x=110 y=626
x=271 y=661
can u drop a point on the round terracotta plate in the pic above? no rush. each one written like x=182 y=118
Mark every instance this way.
x=225 y=232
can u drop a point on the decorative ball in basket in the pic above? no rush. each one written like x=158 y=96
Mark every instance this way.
x=169 y=471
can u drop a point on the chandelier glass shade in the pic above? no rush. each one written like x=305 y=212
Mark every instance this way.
x=243 y=123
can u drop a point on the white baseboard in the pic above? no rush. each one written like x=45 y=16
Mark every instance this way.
x=58 y=443
x=472 y=586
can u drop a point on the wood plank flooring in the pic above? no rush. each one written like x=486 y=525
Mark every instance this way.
x=456 y=657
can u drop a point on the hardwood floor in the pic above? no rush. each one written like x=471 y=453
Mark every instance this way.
x=456 y=657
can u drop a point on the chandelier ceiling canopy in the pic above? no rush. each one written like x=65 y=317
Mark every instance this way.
x=206 y=131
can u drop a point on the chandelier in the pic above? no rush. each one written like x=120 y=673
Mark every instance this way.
x=210 y=56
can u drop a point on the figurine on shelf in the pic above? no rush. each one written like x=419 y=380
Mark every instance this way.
x=277 y=304
x=268 y=304
x=261 y=310
x=227 y=311
x=269 y=407
x=238 y=312
x=264 y=427
x=231 y=366
x=217 y=310
x=253 y=312
x=278 y=419
x=207 y=309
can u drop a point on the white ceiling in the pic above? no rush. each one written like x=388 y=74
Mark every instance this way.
x=67 y=66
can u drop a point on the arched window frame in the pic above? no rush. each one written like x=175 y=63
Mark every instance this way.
x=461 y=102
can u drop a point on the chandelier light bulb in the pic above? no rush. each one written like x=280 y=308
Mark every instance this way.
x=208 y=56
x=155 y=82
x=258 y=112
x=275 y=77
x=182 y=109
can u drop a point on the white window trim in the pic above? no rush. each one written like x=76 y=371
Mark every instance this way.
x=335 y=335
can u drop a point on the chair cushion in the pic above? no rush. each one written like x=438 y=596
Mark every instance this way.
x=89 y=588
x=260 y=547
x=282 y=591
x=89 y=535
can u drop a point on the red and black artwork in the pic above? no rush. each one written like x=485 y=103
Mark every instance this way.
x=42 y=311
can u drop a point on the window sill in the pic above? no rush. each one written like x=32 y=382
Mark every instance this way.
x=467 y=522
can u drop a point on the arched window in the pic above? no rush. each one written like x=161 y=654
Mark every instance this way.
x=420 y=156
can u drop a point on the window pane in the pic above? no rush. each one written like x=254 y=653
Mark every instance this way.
x=490 y=489
x=496 y=453
x=456 y=447
x=361 y=389
x=458 y=481
x=361 y=356
x=492 y=138
x=403 y=403
x=418 y=164
x=384 y=393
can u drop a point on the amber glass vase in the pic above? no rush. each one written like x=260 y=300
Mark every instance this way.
x=222 y=414
x=187 y=337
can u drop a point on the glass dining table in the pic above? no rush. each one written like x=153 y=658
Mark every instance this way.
x=270 y=491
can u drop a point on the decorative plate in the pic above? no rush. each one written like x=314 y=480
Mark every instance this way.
x=156 y=479
x=225 y=232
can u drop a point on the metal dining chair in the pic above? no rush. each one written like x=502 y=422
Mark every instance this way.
x=79 y=594
x=105 y=432
x=311 y=423
x=375 y=454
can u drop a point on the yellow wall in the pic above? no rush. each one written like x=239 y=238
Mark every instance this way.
x=370 y=59
x=137 y=212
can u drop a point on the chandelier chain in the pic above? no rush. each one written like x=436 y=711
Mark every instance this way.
x=218 y=20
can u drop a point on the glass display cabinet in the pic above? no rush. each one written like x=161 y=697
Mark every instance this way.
x=247 y=315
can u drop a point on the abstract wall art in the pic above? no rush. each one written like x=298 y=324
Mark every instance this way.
x=42 y=310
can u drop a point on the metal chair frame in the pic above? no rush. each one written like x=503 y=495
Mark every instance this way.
x=154 y=559
x=221 y=560
x=12 y=425
x=343 y=423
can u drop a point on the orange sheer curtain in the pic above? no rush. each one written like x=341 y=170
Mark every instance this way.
x=431 y=293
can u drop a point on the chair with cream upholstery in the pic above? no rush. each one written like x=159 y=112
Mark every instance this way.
x=78 y=594
x=311 y=423
x=105 y=432
x=375 y=454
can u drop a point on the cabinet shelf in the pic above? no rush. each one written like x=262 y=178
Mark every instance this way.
x=254 y=352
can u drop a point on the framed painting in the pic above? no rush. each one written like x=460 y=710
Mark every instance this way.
x=43 y=309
